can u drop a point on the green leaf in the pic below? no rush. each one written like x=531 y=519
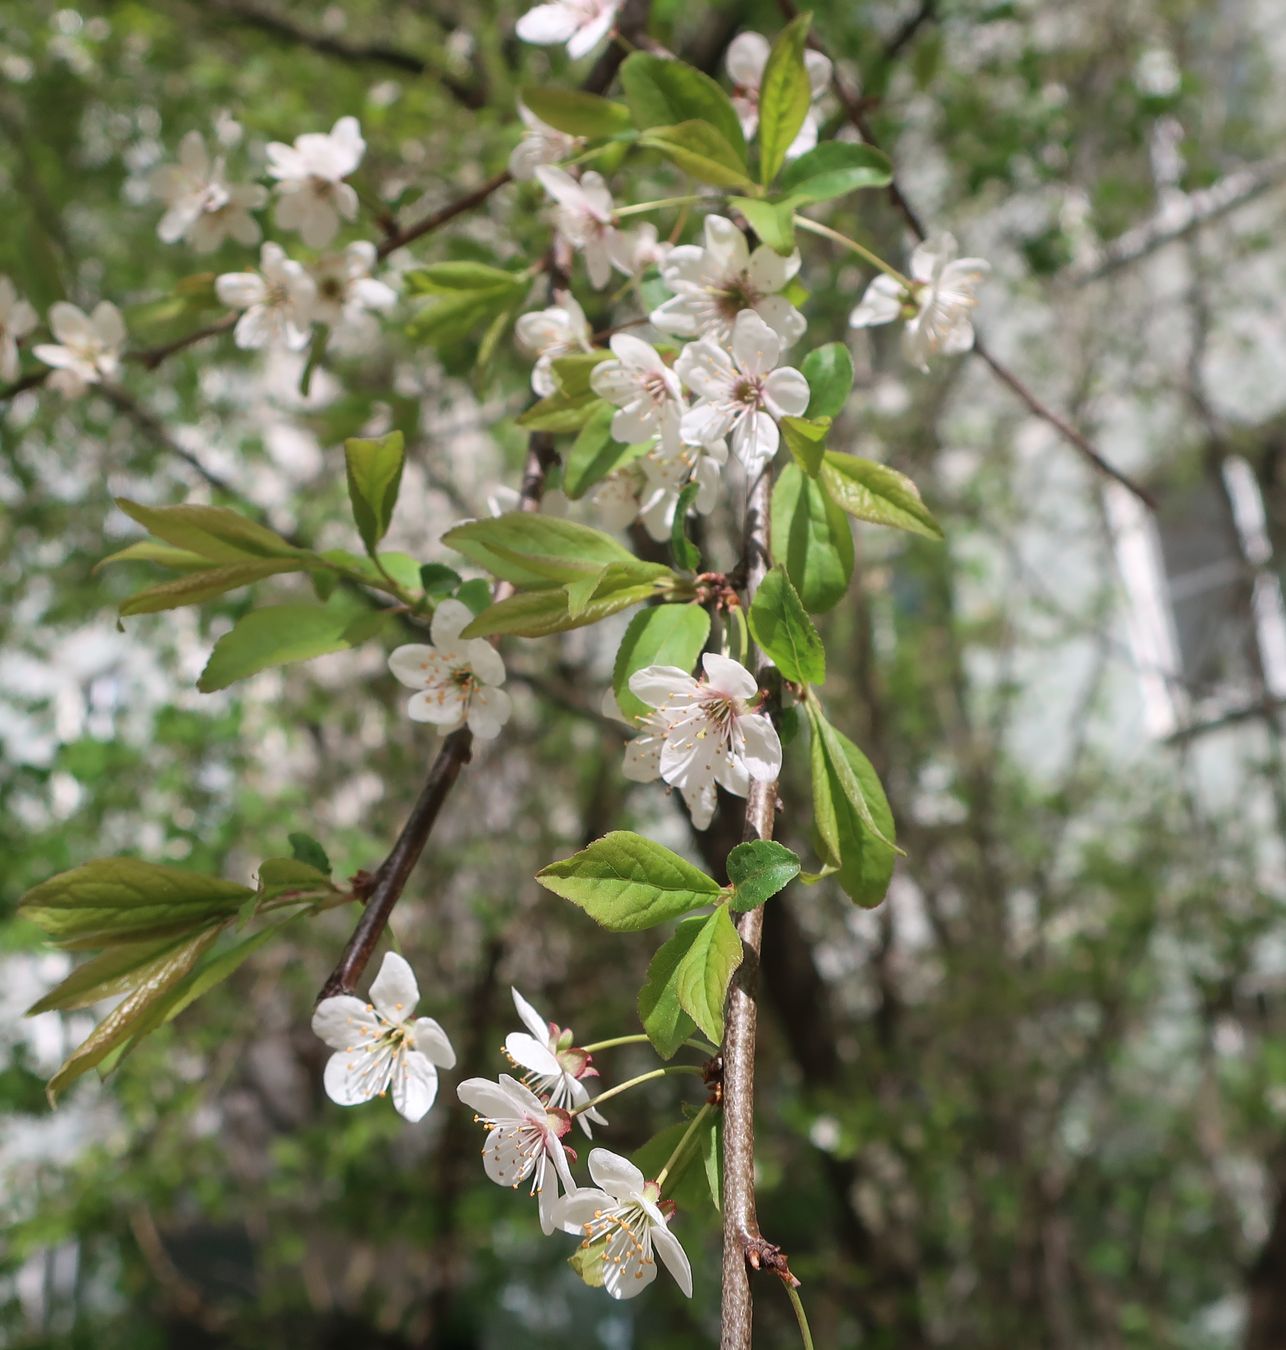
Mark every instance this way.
x=661 y=635
x=866 y=864
x=307 y=850
x=686 y=1183
x=577 y=113
x=164 y=555
x=664 y=1020
x=280 y=634
x=539 y=613
x=836 y=784
x=457 y=277
x=703 y=975
x=593 y=453
x=573 y=373
x=475 y=593
x=780 y=624
x=712 y=1157
x=467 y=296
x=561 y=412
x=662 y=92
x=687 y=556
x=587 y=1262
x=199 y=586
x=213 y=532
x=832 y=169
x=374 y=476
x=213 y=972
x=773 y=222
x=115 y=900
x=438 y=581
x=874 y=492
x=522 y=545
x=806 y=440
x=829 y=372
x=112 y=972
x=126 y=1018
x=758 y=870
x=813 y=539
x=292 y=876
x=784 y=97
x=581 y=591
x=627 y=883
x=698 y=149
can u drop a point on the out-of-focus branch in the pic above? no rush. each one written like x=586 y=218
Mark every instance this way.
x=856 y=114
x=396 y=238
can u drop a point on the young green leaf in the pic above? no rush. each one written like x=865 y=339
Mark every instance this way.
x=594 y=454
x=829 y=372
x=813 y=539
x=576 y=113
x=784 y=97
x=281 y=634
x=661 y=635
x=866 y=864
x=874 y=492
x=213 y=532
x=664 y=1020
x=573 y=373
x=210 y=581
x=758 y=870
x=537 y=613
x=686 y=1184
x=703 y=976
x=832 y=169
x=698 y=149
x=780 y=624
x=662 y=93
x=112 y=972
x=686 y=555
x=374 y=475
x=123 y=900
x=561 y=412
x=461 y=276
x=837 y=788
x=806 y=440
x=306 y=849
x=438 y=581
x=626 y=882
x=539 y=546
x=773 y=222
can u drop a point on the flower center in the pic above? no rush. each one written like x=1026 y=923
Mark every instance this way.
x=656 y=387
x=736 y=294
x=748 y=390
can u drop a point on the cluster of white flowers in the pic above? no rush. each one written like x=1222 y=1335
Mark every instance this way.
x=88 y=350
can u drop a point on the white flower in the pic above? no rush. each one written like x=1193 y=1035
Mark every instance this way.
x=742 y=394
x=714 y=284
x=555 y=1067
x=634 y=251
x=624 y=1214
x=584 y=217
x=703 y=733
x=17 y=319
x=88 y=350
x=378 y=1046
x=278 y=301
x=540 y=144
x=581 y=24
x=550 y=333
x=667 y=471
x=312 y=195
x=347 y=293
x=747 y=57
x=457 y=680
x=523 y=1137
x=646 y=392
x=938 y=311
x=203 y=206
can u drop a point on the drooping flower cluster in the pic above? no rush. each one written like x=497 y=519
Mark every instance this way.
x=202 y=206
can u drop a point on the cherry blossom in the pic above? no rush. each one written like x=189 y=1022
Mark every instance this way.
x=704 y=732
x=457 y=680
x=938 y=310
x=550 y=333
x=646 y=392
x=747 y=56
x=17 y=319
x=202 y=206
x=311 y=193
x=584 y=217
x=524 y=1136
x=88 y=349
x=634 y=251
x=581 y=24
x=556 y=1069
x=540 y=144
x=647 y=488
x=278 y=301
x=742 y=394
x=715 y=284
x=378 y=1047
x=347 y=294
x=623 y=1212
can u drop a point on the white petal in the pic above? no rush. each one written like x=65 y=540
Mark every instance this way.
x=344 y=1021
x=240 y=290
x=394 y=991
x=547 y=24
x=643 y=759
x=616 y=1175
x=484 y=661
x=726 y=246
x=671 y=1252
x=630 y=1278
x=450 y=618
x=577 y=1208
x=355 y=1076
x=591 y=34
x=532 y=1054
x=786 y=393
x=503 y=1158
x=491 y=1100
x=415 y=1086
x=71 y=326
x=755 y=441
x=489 y=710
x=441 y=707
x=729 y=676
x=658 y=685
x=931 y=255
x=769 y=271
x=706 y=424
x=746 y=59
x=755 y=347
x=761 y=747
x=432 y=1042
x=882 y=303
x=701 y=802
x=108 y=325
x=531 y=1019
x=408 y=663
x=782 y=317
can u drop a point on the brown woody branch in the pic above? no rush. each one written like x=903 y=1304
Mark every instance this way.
x=856 y=114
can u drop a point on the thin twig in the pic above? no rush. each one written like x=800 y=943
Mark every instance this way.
x=853 y=109
x=397 y=238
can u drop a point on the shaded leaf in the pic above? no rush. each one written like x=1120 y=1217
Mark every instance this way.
x=784 y=97
x=703 y=975
x=780 y=624
x=664 y=1020
x=813 y=538
x=374 y=475
x=757 y=870
x=663 y=93
x=661 y=635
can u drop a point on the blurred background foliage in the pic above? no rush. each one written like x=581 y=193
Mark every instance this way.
x=1039 y=1097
